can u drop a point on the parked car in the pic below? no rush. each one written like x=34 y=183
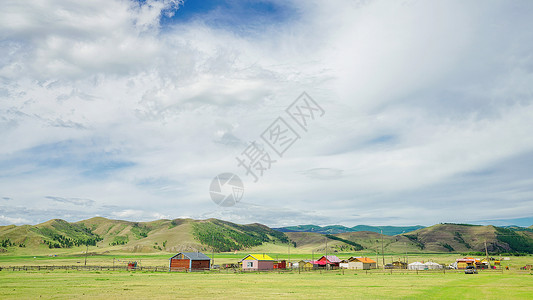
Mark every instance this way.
x=470 y=270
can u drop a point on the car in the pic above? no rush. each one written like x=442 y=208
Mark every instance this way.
x=470 y=270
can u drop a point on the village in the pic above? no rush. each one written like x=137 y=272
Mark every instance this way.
x=198 y=261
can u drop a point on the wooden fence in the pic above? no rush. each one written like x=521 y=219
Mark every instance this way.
x=236 y=270
x=85 y=268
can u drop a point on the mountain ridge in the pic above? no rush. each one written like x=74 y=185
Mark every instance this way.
x=104 y=235
x=334 y=229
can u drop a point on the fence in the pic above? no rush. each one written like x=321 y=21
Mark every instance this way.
x=84 y=268
x=237 y=270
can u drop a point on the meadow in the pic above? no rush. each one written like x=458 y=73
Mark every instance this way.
x=307 y=285
x=227 y=284
x=161 y=259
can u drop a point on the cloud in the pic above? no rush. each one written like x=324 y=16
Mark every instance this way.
x=75 y=201
x=137 y=106
x=139 y=215
x=323 y=173
x=12 y=221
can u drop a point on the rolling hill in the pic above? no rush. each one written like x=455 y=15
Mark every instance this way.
x=124 y=236
x=118 y=236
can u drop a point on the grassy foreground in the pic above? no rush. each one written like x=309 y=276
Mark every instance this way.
x=311 y=285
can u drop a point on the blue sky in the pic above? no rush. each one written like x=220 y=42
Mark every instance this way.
x=235 y=15
x=128 y=109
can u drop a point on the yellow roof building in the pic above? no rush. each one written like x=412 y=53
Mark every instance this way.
x=257 y=257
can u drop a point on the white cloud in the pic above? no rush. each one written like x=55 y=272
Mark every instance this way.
x=98 y=101
x=131 y=214
x=16 y=221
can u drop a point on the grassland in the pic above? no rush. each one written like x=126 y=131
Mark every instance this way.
x=161 y=259
x=513 y=283
x=309 y=285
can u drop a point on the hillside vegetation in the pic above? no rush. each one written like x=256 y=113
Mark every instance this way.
x=226 y=236
x=105 y=236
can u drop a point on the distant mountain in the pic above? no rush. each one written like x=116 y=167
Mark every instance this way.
x=467 y=238
x=334 y=229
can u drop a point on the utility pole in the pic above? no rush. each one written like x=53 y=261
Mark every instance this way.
x=327 y=265
x=289 y=250
x=405 y=246
x=486 y=252
x=406 y=259
x=213 y=251
x=212 y=256
x=86 y=251
x=382 y=251
x=377 y=256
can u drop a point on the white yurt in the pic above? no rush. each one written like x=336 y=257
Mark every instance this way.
x=432 y=265
x=417 y=266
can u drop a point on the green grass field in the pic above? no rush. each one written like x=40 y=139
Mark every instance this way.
x=337 y=284
x=161 y=259
x=309 y=285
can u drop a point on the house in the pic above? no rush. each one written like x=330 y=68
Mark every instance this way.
x=344 y=264
x=328 y=261
x=257 y=262
x=462 y=263
x=280 y=264
x=396 y=265
x=361 y=263
x=305 y=265
x=189 y=261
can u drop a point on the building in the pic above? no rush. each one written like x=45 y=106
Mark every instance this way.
x=331 y=261
x=280 y=264
x=189 y=261
x=417 y=266
x=344 y=264
x=433 y=266
x=396 y=265
x=257 y=262
x=305 y=265
x=359 y=263
x=462 y=263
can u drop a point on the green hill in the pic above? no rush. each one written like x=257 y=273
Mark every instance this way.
x=124 y=236
x=118 y=236
x=472 y=238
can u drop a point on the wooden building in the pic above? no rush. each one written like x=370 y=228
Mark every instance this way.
x=189 y=261
x=305 y=265
x=330 y=261
x=280 y=264
x=462 y=263
x=257 y=262
x=359 y=263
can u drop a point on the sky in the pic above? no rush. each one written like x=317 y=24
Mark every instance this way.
x=129 y=109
